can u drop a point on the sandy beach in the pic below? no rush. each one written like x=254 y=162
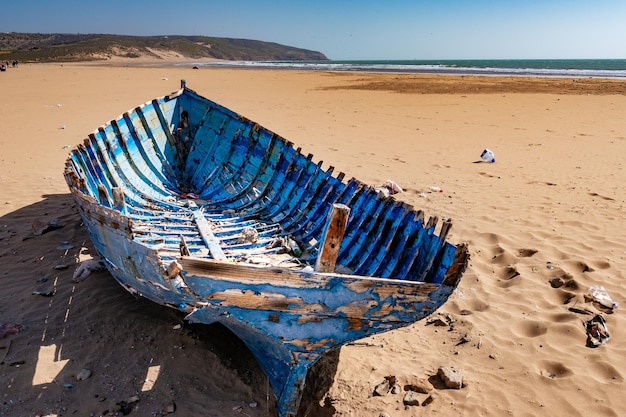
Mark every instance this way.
x=550 y=207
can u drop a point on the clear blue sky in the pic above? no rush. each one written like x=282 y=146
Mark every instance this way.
x=367 y=29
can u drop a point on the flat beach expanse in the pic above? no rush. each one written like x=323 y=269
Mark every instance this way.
x=551 y=206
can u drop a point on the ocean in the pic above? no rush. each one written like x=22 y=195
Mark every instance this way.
x=594 y=68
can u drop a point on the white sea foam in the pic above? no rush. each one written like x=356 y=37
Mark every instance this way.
x=451 y=67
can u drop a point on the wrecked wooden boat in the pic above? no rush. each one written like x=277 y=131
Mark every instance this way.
x=194 y=206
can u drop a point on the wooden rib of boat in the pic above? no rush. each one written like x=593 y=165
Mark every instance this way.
x=194 y=206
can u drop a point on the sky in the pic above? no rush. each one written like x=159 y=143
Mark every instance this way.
x=354 y=30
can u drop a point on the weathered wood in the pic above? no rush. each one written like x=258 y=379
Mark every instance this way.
x=103 y=195
x=335 y=229
x=184 y=249
x=209 y=238
x=118 y=198
x=195 y=175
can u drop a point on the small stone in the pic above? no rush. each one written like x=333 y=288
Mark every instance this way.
x=177 y=327
x=452 y=377
x=464 y=339
x=83 y=374
x=169 y=408
x=133 y=399
x=125 y=408
x=253 y=404
x=382 y=388
x=432 y=397
x=557 y=282
x=39 y=227
x=437 y=321
x=411 y=398
x=420 y=385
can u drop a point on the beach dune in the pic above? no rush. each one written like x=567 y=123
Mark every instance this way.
x=544 y=223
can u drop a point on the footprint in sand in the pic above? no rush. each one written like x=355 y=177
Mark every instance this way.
x=605 y=372
x=527 y=253
x=562 y=296
x=529 y=328
x=552 y=370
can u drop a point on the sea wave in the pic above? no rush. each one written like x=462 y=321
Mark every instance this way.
x=506 y=68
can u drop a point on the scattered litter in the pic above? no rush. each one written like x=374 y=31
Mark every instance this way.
x=597 y=332
x=389 y=188
x=599 y=295
x=286 y=245
x=190 y=195
x=48 y=293
x=86 y=268
x=580 y=310
x=177 y=327
x=62 y=127
x=488 y=156
x=423 y=195
x=436 y=189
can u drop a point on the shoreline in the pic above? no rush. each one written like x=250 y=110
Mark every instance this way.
x=551 y=68
x=409 y=82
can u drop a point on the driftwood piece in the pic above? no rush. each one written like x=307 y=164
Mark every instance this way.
x=333 y=236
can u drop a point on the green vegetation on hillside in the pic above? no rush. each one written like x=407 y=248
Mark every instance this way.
x=36 y=47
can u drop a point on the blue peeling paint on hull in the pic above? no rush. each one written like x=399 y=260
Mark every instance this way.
x=198 y=208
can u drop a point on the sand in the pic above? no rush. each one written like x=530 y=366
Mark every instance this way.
x=551 y=206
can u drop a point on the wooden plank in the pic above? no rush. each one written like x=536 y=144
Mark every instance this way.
x=209 y=238
x=335 y=228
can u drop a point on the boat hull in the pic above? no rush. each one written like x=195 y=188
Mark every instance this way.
x=197 y=208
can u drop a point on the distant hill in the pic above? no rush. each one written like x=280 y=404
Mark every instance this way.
x=57 y=47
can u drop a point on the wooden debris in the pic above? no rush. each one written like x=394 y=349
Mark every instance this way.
x=333 y=236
